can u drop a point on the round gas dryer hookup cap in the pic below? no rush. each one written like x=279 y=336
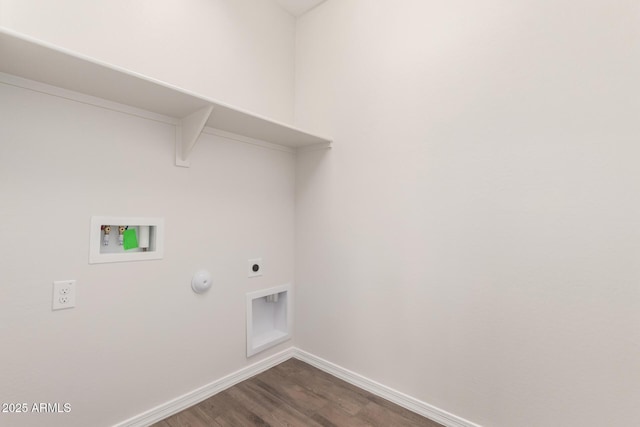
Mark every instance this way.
x=201 y=281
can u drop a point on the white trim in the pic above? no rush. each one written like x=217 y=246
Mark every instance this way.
x=419 y=407
x=196 y=396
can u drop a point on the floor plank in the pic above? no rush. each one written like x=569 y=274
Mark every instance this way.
x=192 y=417
x=295 y=394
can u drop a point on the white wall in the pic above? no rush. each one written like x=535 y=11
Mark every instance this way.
x=472 y=238
x=138 y=336
x=237 y=51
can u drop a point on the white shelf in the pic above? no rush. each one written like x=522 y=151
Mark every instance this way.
x=32 y=59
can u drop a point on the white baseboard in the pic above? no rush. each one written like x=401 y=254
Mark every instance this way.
x=191 y=398
x=429 y=411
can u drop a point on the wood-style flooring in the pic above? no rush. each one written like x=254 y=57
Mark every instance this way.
x=295 y=394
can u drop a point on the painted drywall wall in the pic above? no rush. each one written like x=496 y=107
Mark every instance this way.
x=138 y=336
x=236 y=51
x=472 y=238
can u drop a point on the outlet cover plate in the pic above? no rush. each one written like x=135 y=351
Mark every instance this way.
x=64 y=294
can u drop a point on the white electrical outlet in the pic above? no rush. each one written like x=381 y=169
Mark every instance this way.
x=255 y=267
x=64 y=294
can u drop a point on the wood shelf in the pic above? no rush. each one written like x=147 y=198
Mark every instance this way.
x=32 y=59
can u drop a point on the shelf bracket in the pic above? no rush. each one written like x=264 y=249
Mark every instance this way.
x=187 y=132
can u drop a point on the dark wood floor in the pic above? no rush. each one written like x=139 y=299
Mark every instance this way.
x=295 y=394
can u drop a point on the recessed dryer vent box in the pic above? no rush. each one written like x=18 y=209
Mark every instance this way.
x=268 y=318
x=119 y=239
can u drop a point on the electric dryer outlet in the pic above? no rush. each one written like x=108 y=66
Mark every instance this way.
x=255 y=267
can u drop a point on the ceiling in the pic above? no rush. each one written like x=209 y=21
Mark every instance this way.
x=299 y=7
